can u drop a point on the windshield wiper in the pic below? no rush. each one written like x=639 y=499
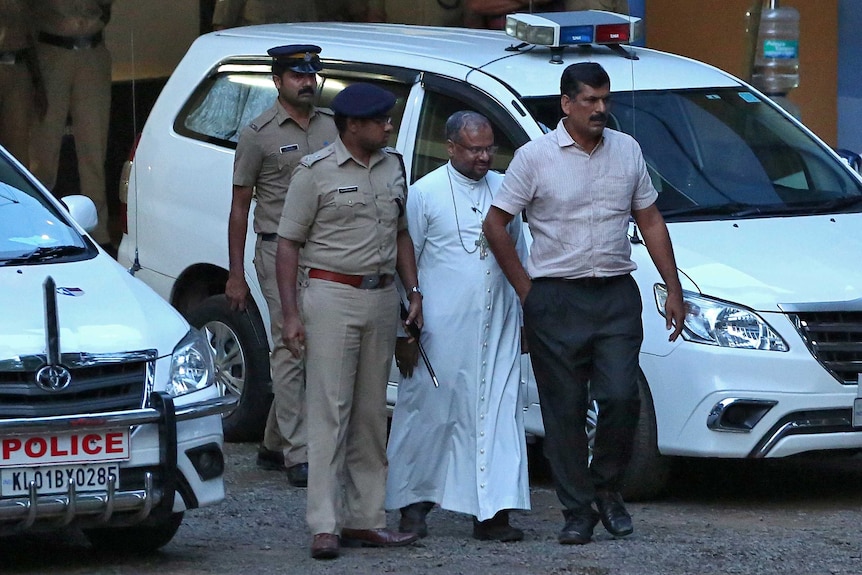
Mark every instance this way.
x=734 y=210
x=45 y=254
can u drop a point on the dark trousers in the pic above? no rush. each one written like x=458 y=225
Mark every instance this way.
x=584 y=338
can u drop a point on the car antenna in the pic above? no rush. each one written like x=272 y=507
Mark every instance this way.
x=136 y=263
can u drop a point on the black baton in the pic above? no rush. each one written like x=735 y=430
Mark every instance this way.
x=414 y=333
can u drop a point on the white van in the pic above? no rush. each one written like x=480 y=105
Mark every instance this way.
x=109 y=416
x=764 y=217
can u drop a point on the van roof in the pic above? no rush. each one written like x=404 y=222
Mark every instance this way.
x=456 y=51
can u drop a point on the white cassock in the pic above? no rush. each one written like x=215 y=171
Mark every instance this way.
x=461 y=445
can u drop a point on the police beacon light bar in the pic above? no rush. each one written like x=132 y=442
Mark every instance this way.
x=558 y=29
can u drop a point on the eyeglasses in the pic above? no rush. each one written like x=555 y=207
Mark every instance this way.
x=477 y=150
x=382 y=120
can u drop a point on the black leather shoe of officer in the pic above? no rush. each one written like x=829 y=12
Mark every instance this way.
x=496 y=529
x=269 y=459
x=579 y=526
x=613 y=513
x=298 y=475
x=413 y=518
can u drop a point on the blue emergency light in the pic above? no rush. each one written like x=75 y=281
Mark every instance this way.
x=557 y=29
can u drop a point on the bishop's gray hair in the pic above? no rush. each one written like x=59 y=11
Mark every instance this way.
x=465 y=119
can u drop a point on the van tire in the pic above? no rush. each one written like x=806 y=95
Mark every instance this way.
x=648 y=472
x=241 y=349
x=135 y=539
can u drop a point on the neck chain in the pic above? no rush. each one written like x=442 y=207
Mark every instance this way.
x=481 y=244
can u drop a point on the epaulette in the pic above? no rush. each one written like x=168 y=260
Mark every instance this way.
x=327 y=111
x=265 y=118
x=391 y=150
x=311 y=159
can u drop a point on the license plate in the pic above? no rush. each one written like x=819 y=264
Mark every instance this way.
x=857 y=412
x=56 y=479
x=75 y=448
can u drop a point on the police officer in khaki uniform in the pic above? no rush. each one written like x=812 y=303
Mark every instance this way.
x=21 y=89
x=423 y=12
x=230 y=13
x=76 y=71
x=267 y=152
x=345 y=209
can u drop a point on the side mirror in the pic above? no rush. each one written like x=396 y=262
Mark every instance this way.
x=850 y=158
x=83 y=210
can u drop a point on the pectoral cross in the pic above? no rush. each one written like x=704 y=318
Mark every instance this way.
x=482 y=245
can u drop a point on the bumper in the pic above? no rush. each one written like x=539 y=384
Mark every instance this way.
x=167 y=464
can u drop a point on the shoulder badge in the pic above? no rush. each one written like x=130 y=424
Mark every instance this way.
x=265 y=118
x=311 y=159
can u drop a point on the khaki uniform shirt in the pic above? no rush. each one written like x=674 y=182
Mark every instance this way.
x=14 y=26
x=422 y=12
x=70 y=17
x=578 y=204
x=618 y=6
x=230 y=13
x=345 y=213
x=267 y=152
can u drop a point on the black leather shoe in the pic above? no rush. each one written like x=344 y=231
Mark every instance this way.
x=496 y=529
x=413 y=518
x=579 y=526
x=298 y=475
x=269 y=459
x=324 y=546
x=613 y=513
x=375 y=538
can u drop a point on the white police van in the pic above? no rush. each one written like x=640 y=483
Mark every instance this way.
x=764 y=217
x=109 y=419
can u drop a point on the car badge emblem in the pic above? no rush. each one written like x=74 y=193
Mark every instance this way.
x=53 y=378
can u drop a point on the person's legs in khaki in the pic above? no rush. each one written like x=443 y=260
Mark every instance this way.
x=90 y=106
x=285 y=433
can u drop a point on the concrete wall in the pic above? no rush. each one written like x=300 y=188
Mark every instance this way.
x=147 y=39
x=714 y=31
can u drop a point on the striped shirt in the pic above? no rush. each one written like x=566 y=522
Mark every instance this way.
x=578 y=205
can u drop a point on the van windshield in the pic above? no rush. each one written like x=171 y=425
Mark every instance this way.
x=724 y=153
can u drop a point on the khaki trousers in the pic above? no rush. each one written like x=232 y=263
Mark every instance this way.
x=285 y=425
x=16 y=103
x=77 y=82
x=350 y=338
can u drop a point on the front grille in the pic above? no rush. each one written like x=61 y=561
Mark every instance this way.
x=835 y=339
x=98 y=385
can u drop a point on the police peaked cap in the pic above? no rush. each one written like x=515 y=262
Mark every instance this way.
x=362 y=100
x=302 y=58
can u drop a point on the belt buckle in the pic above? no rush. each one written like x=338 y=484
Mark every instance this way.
x=370 y=282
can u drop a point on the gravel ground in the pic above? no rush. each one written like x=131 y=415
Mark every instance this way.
x=799 y=516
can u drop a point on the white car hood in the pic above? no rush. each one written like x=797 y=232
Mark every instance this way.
x=101 y=308
x=763 y=263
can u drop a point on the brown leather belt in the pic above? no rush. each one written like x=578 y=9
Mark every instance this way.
x=374 y=281
x=71 y=42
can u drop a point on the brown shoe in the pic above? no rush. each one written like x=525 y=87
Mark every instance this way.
x=324 y=546
x=375 y=538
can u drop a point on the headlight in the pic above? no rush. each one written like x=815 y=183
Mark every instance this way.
x=715 y=322
x=192 y=366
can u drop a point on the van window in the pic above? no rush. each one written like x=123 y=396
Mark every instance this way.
x=229 y=100
x=724 y=152
x=429 y=152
